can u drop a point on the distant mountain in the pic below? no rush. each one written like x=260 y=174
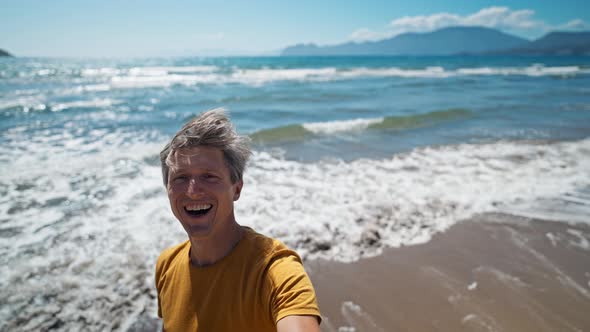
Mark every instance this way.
x=445 y=41
x=4 y=53
x=554 y=43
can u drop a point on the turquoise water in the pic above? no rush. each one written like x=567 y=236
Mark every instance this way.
x=343 y=147
x=508 y=98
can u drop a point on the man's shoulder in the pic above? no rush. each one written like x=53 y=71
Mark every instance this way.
x=268 y=249
x=171 y=254
x=263 y=243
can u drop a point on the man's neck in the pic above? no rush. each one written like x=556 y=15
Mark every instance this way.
x=209 y=250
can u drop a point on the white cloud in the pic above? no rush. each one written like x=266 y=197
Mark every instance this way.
x=502 y=18
x=576 y=24
x=424 y=23
x=491 y=17
x=364 y=34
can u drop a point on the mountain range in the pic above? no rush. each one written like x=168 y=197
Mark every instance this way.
x=455 y=40
x=450 y=41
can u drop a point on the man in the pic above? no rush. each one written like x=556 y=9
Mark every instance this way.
x=225 y=277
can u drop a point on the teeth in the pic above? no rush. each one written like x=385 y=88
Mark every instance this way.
x=198 y=207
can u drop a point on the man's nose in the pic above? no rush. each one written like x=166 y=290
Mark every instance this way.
x=194 y=190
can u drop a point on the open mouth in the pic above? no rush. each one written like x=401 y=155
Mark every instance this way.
x=197 y=210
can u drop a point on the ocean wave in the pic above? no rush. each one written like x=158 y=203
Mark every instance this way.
x=96 y=225
x=24 y=103
x=138 y=82
x=40 y=104
x=161 y=76
x=344 y=211
x=327 y=74
x=163 y=70
x=534 y=70
x=262 y=76
x=146 y=71
x=93 y=103
x=104 y=71
x=297 y=132
x=333 y=127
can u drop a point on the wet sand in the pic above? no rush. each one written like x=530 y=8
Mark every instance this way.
x=493 y=273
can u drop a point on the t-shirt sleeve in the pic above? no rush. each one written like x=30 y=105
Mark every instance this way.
x=158 y=275
x=292 y=291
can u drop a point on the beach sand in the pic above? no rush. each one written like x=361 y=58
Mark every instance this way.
x=493 y=273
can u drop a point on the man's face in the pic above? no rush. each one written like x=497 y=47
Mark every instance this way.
x=200 y=190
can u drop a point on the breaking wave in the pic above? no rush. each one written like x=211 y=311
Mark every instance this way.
x=298 y=132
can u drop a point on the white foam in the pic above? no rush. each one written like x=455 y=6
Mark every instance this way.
x=40 y=102
x=406 y=198
x=356 y=317
x=533 y=70
x=93 y=103
x=28 y=103
x=105 y=71
x=502 y=276
x=90 y=220
x=428 y=72
x=333 y=127
x=146 y=77
x=262 y=76
x=581 y=241
x=119 y=82
x=163 y=76
x=162 y=70
x=146 y=71
x=84 y=88
x=468 y=318
x=552 y=238
x=265 y=75
x=105 y=216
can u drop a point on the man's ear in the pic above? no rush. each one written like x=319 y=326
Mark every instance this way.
x=239 y=185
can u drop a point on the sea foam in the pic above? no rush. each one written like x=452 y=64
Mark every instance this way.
x=105 y=215
x=94 y=103
x=139 y=77
x=109 y=78
x=332 y=127
x=348 y=210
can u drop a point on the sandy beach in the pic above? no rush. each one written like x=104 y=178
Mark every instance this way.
x=493 y=273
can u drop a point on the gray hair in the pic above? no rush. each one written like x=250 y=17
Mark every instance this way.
x=212 y=129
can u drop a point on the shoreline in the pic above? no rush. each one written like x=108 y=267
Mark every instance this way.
x=491 y=273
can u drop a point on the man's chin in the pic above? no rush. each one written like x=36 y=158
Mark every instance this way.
x=199 y=231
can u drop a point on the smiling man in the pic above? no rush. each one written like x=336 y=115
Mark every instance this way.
x=225 y=277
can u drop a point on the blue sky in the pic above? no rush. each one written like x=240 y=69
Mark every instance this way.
x=120 y=28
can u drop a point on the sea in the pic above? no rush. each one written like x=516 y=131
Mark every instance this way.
x=351 y=155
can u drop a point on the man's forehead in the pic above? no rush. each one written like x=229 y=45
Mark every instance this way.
x=200 y=157
x=204 y=151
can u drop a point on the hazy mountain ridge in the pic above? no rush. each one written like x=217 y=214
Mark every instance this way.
x=4 y=53
x=454 y=40
x=555 y=43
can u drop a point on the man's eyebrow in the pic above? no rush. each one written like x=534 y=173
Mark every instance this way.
x=176 y=169
x=184 y=170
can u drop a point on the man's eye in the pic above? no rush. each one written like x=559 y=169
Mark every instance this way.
x=179 y=179
x=210 y=176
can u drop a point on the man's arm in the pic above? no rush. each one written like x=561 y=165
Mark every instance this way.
x=298 y=323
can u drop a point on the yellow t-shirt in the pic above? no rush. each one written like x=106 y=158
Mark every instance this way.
x=259 y=282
